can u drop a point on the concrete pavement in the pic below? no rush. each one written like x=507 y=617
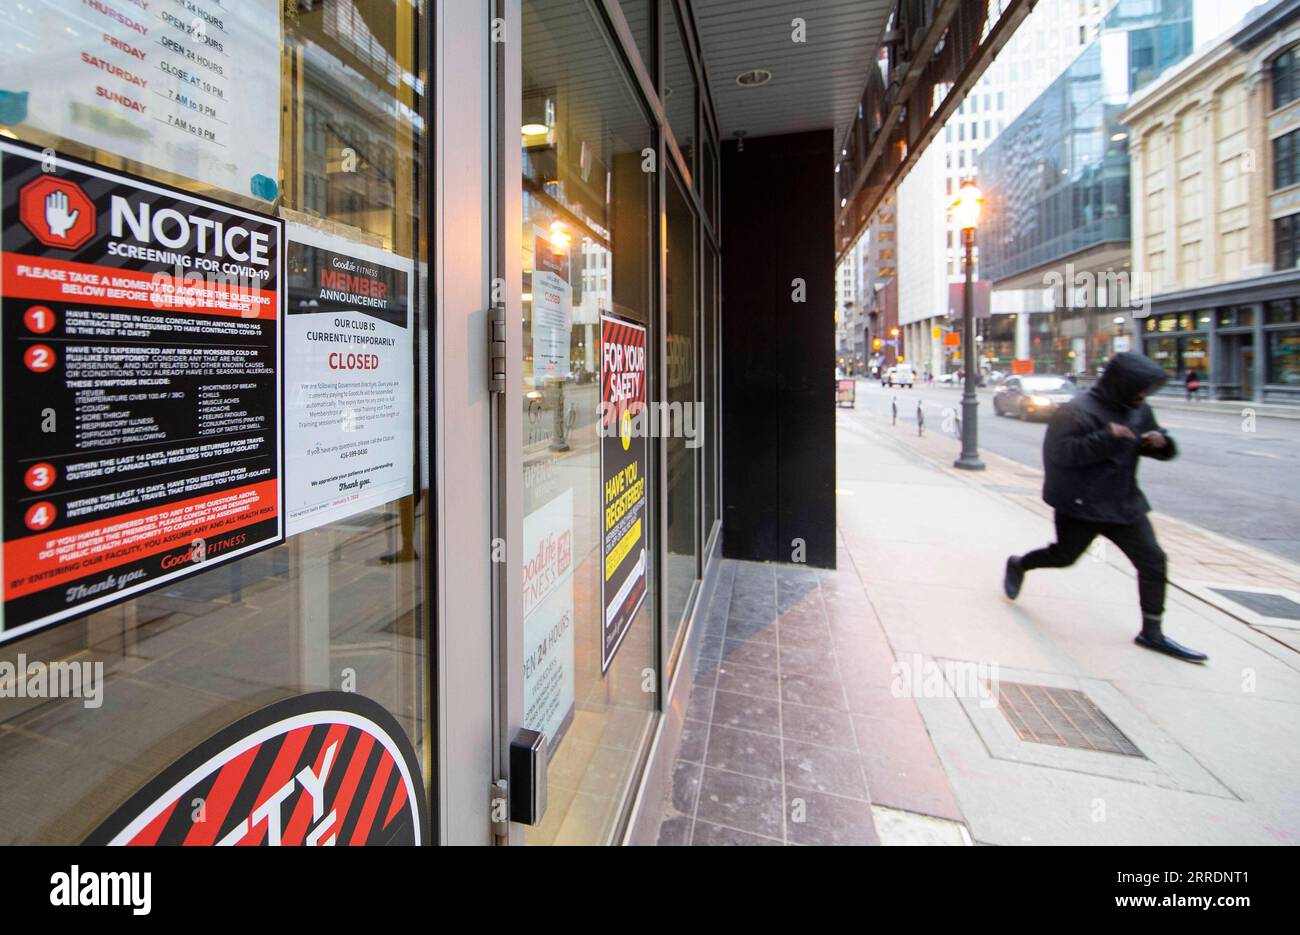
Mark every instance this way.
x=1234 y=477
x=1219 y=744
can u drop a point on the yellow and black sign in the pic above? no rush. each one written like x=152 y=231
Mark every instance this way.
x=623 y=424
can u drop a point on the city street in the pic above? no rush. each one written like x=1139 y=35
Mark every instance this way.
x=1230 y=481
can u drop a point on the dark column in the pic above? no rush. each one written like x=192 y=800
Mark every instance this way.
x=778 y=361
x=1260 y=358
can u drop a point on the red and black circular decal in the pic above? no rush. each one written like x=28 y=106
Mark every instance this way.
x=319 y=769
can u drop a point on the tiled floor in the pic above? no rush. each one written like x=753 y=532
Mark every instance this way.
x=792 y=730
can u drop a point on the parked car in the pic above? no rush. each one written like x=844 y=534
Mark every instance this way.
x=946 y=378
x=1033 y=397
x=900 y=375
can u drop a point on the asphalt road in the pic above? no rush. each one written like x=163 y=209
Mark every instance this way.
x=1238 y=483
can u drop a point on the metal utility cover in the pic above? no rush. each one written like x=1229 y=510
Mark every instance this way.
x=1062 y=717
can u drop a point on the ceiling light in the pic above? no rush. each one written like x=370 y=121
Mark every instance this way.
x=753 y=78
x=534 y=129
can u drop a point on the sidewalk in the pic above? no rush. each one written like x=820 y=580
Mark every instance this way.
x=1199 y=559
x=1219 y=745
x=903 y=699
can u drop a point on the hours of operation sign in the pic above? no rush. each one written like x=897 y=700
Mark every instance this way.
x=188 y=86
x=140 y=332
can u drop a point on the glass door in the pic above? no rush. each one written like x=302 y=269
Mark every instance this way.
x=589 y=566
x=248 y=197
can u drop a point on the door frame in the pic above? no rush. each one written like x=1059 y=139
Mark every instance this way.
x=462 y=233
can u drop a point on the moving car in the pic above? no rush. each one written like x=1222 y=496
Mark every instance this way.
x=900 y=375
x=1033 y=397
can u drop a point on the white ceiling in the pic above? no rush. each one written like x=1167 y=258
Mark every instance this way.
x=815 y=84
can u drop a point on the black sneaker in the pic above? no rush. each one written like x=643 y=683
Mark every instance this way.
x=1013 y=579
x=1163 y=644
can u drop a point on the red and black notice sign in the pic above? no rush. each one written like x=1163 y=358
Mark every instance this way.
x=139 y=354
x=623 y=432
x=322 y=769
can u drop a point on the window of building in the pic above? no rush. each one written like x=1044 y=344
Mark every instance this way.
x=1284 y=357
x=1286 y=242
x=1286 y=81
x=1281 y=312
x=1286 y=160
x=1236 y=316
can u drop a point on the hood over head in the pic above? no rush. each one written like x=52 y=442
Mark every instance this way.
x=1128 y=375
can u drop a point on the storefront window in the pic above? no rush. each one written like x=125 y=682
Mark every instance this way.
x=640 y=20
x=708 y=180
x=312 y=120
x=1284 y=357
x=1164 y=351
x=1196 y=356
x=1237 y=316
x=1281 y=312
x=683 y=549
x=710 y=390
x=589 y=548
x=679 y=88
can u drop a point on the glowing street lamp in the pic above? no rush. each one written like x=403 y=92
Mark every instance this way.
x=966 y=209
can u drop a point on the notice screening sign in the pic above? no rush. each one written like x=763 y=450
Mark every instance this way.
x=623 y=460
x=139 y=358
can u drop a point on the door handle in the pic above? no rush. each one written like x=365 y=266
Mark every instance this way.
x=528 y=758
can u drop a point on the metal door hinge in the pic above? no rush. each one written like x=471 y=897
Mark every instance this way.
x=497 y=349
x=499 y=806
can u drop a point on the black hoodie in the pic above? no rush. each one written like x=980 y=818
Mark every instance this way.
x=1091 y=474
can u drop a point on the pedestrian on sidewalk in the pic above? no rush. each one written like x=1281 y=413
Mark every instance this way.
x=1090 y=459
x=1192 y=383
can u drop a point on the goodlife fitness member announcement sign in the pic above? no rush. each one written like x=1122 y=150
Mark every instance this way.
x=139 y=354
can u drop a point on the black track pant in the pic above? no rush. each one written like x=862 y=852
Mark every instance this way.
x=1137 y=540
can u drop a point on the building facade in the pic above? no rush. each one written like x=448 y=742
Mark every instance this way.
x=1214 y=159
x=1057 y=184
x=1051 y=36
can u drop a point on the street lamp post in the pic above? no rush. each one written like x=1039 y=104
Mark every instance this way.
x=966 y=212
